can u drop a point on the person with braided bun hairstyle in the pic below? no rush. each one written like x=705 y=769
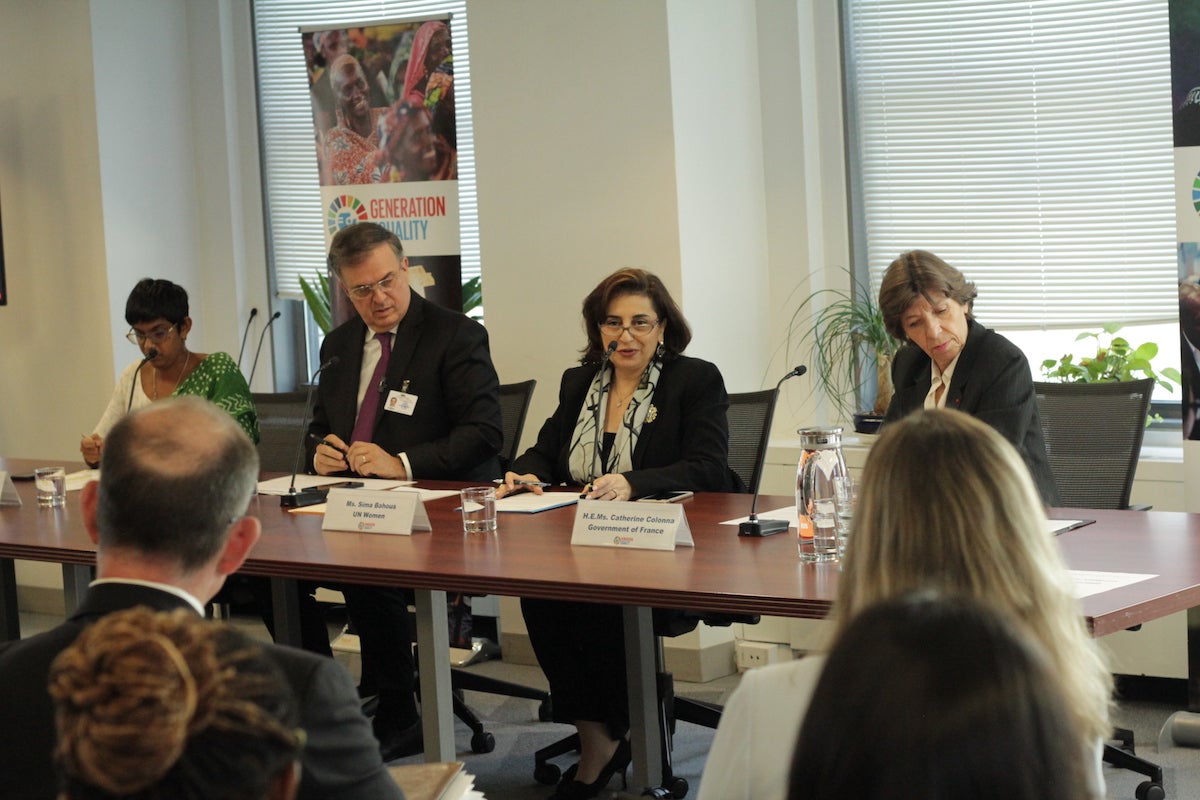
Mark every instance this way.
x=163 y=704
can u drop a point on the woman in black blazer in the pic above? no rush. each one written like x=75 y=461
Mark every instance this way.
x=636 y=418
x=951 y=361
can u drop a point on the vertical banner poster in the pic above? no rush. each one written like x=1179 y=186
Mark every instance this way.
x=386 y=140
x=1185 y=97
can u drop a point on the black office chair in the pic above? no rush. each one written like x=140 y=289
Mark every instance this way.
x=514 y=406
x=1093 y=434
x=280 y=417
x=750 y=415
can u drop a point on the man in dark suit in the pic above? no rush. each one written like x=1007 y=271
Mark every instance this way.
x=413 y=394
x=168 y=520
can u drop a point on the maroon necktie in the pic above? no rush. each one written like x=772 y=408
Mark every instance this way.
x=364 y=426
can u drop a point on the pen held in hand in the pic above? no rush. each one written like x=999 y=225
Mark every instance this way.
x=543 y=484
x=328 y=443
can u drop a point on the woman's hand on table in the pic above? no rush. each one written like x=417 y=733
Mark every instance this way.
x=609 y=487
x=514 y=483
x=91 y=446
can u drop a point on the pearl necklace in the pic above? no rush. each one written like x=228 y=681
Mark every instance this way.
x=183 y=369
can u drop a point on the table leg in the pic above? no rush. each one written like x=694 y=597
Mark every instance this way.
x=433 y=655
x=641 y=674
x=10 y=620
x=285 y=608
x=76 y=578
x=1193 y=633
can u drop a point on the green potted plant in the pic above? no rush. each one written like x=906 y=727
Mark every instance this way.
x=850 y=351
x=1115 y=359
x=316 y=296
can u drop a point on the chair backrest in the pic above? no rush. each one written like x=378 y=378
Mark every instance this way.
x=750 y=415
x=281 y=416
x=514 y=405
x=1093 y=435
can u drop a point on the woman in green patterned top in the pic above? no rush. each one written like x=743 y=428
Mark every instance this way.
x=157 y=311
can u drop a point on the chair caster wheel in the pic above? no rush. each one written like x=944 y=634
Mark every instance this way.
x=1149 y=790
x=545 y=711
x=546 y=774
x=679 y=788
x=483 y=742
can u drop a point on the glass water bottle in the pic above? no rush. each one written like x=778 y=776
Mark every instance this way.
x=820 y=462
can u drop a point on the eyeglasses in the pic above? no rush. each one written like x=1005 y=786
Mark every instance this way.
x=368 y=289
x=639 y=327
x=156 y=336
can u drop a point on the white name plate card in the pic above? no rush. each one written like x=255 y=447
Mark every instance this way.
x=642 y=526
x=399 y=511
x=8 y=492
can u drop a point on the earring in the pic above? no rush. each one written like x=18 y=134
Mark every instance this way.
x=661 y=350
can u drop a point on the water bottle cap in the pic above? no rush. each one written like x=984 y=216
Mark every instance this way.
x=820 y=437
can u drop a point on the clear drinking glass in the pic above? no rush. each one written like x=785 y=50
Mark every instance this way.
x=479 y=509
x=51 y=486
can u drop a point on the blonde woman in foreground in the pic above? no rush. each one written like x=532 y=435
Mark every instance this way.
x=946 y=504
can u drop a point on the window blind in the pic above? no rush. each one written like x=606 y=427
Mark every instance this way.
x=1027 y=143
x=294 y=211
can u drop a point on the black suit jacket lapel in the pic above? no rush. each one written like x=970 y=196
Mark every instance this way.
x=662 y=400
x=343 y=380
x=968 y=364
x=915 y=380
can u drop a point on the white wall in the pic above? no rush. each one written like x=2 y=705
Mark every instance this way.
x=576 y=164
x=717 y=116
x=54 y=330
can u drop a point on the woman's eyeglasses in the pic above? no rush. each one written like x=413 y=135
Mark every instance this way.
x=639 y=327
x=156 y=336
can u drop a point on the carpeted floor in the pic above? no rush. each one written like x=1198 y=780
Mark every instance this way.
x=507 y=772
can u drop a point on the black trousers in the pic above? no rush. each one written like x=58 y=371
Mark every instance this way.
x=385 y=634
x=581 y=648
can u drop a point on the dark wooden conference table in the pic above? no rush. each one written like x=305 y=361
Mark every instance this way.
x=531 y=556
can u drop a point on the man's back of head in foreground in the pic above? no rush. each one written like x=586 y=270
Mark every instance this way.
x=174 y=477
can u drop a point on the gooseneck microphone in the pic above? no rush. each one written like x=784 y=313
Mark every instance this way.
x=262 y=336
x=765 y=527
x=313 y=494
x=246 y=333
x=596 y=437
x=150 y=356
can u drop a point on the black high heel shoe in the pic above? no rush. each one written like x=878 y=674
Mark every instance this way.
x=571 y=789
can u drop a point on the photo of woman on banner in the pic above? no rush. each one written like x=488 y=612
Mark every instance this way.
x=350 y=145
x=409 y=150
x=429 y=78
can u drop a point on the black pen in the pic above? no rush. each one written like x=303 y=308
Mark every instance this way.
x=328 y=443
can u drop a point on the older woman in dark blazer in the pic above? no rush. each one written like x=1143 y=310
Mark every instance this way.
x=636 y=418
x=949 y=360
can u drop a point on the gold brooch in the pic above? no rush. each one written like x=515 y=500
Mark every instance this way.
x=651 y=413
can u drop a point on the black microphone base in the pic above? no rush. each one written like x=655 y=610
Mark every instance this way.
x=307 y=497
x=762 y=527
